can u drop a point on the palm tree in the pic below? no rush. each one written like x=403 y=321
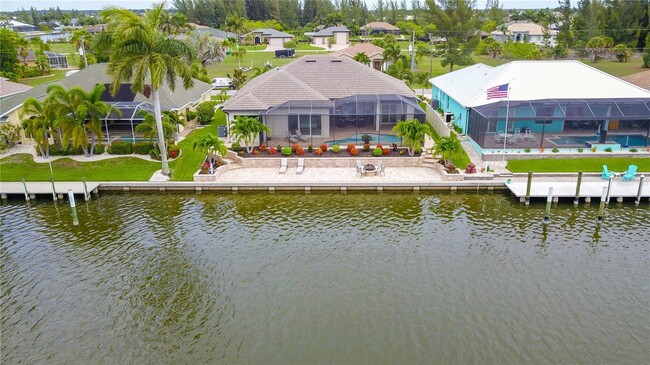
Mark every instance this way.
x=392 y=53
x=362 y=58
x=65 y=105
x=247 y=129
x=148 y=127
x=235 y=23
x=142 y=54
x=412 y=131
x=38 y=123
x=91 y=109
x=210 y=144
x=208 y=48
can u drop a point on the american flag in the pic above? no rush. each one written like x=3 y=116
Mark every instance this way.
x=499 y=91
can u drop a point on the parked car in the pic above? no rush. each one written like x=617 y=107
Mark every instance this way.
x=283 y=53
x=222 y=83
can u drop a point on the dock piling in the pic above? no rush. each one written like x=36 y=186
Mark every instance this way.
x=25 y=189
x=528 y=185
x=601 y=208
x=609 y=189
x=576 y=200
x=547 y=211
x=638 y=194
x=53 y=188
x=73 y=208
x=86 y=194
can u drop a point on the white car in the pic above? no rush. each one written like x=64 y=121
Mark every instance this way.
x=222 y=83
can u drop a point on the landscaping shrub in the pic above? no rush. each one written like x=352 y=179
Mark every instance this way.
x=555 y=150
x=154 y=153
x=366 y=147
x=323 y=147
x=294 y=147
x=336 y=148
x=310 y=149
x=380 y=146
x=121 y=148
x=278 y=147
x=470 y=169
x=386 y=151
x=272 y=151
x=300 y=151
x=580 y=150
x=395 y=147
x=99 y=149
x=173 y=151
x=527 y=149
x=205 y=112
x=205 y=167
x=286 y=151
x=402 y=152
x=240 y=153
x=354 y=151
x=255 y=152
x=633 y=150
x=608 y=149
x=235 y=146
x=142 y=148
x=318 y=152
x=377 y=152
x=417 y=151
x=350 y=147
x=263 y=147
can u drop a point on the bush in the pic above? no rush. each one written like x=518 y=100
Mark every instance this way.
x=154 y=153
x=121 y=148
x=272 y=151
x=318 y=152
x=402 y=152
x=300 y=151
x=286 y=151
x=555 y=150
x=395 y=147
x=354 y=151
x=240 y=153
x=527 y=149
x=191 y=115
x=294 y=147
x=380 y=146
x=386 y=151
x=417 y=151
x=99 y=149
x=142 y=148
x=173 y=151
x=310 y=149
x=633 y=150
x=205 y=112
x=323 y=147
x=377 y=152
x=263 y=147
x=580 y=150
x=9 y=134
x=366 y=147
x=608 y=149
x=235 y=146
x=255 y=152
x=56 y=150
x=278 y=147
x=336 y=148
x=350 y=147
x=470 y=169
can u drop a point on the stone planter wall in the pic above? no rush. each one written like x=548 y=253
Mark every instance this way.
x=449 y=177
x=324 y=162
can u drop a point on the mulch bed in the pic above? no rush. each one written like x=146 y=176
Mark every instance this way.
x=342 y=154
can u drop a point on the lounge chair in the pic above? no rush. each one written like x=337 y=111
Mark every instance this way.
x=517 y=136
x=359 y=168
x=528 y=135
x=290 y=138
x=283 y=166
x=300 y=136
x=606 y=173
x=380 y=168
x=498 y=137
x=301 y=166
x=630 y=173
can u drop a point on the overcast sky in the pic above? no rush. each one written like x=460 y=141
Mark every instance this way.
x=11 y=5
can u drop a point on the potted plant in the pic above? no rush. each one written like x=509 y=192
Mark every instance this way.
x=366 y=138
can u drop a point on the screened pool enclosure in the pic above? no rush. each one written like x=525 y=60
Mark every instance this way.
x=354 y=119
x=597 y=123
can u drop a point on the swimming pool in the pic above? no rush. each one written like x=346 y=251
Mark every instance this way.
x=630 y=140
x=356 y=138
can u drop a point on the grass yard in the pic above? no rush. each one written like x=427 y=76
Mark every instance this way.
x=577 y=164
x=617 y=69
x=35 y=81
x=15 y=167
x=62 y=48
x=308 y=47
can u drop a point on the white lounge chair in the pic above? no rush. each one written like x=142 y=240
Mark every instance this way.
x=528 y=135
x=380 y=168
x=300 y=136
x=283 y=166
x=301 y=166
x=290 y=138
x=359 y=168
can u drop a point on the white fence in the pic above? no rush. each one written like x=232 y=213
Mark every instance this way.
x=436 y=121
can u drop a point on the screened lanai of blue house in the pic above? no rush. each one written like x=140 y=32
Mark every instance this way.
x=565 y=123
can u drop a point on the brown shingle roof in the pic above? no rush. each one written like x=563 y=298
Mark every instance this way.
x=640 y=79
x=315 y=77
x=379 y=26
x=368 y=48
x=9 y=88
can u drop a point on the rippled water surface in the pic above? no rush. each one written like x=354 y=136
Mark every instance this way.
x=394 y=278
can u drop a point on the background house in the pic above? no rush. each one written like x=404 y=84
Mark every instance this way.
x=8 y=88
x=20 y=26
x=340 y=37
x=326 y=99
x=379 y=28
x=373 y=52
x=55 y=60
x=524 y=31
x=272 y=37
x=179 y=100
x=552 y=104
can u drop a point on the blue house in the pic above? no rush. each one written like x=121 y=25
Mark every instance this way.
x=544 y=104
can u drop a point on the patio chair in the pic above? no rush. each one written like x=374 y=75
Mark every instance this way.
x=528 y=135
x=380 y=168
x=359 y=168
x=498 y=137
x=606 y=173
x=301 y=166
x=283 y=166
x=630 y=173
x=290 y=138
x=517 y=136
x=300 y=136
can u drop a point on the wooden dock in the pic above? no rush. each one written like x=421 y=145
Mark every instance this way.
x=620 y=189
x=45 y=188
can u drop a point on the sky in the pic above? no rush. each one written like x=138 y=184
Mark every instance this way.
x=12 y=5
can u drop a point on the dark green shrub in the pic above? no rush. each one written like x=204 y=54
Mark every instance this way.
x=527 y=149
x=142 y=148
x=608 y=149
x=205 y=112
x=120 y=148
x=633 y=150
x=99 y=149
x=555 y=150
x=154 y=153
x=235 y=146
x=580 y=150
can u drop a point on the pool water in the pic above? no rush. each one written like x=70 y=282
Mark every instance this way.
x=356 y=138
x=631 y=140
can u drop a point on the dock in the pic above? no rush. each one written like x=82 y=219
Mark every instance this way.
x=45 y=188
x=620 y=189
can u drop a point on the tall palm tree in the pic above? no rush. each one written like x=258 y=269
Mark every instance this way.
x=91 y=109
x=235 y=24
x=64 y=103
x=142 y=54
x=247 y=129
x=37 y=121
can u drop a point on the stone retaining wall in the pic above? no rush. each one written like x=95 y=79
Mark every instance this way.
x=562 y=156
x=324 y=162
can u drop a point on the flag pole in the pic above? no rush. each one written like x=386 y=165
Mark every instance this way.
x=505 y=131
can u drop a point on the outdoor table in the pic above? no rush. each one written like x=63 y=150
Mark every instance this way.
x=369 y=169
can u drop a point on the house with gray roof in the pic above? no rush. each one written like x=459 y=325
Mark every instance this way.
x=271 y=37
x=326 y=99
x=178 y=100
x=340 y=36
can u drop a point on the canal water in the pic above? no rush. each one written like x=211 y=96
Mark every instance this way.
x=379 y=278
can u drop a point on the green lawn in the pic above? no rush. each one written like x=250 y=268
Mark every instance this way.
x=308 y=47
x=618 y=68
x=35 y=81
x=577 y=164
x=15 y=167
x=62 y=48
x=257 y=47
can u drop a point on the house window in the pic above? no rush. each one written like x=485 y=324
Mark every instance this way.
x=309 y=124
